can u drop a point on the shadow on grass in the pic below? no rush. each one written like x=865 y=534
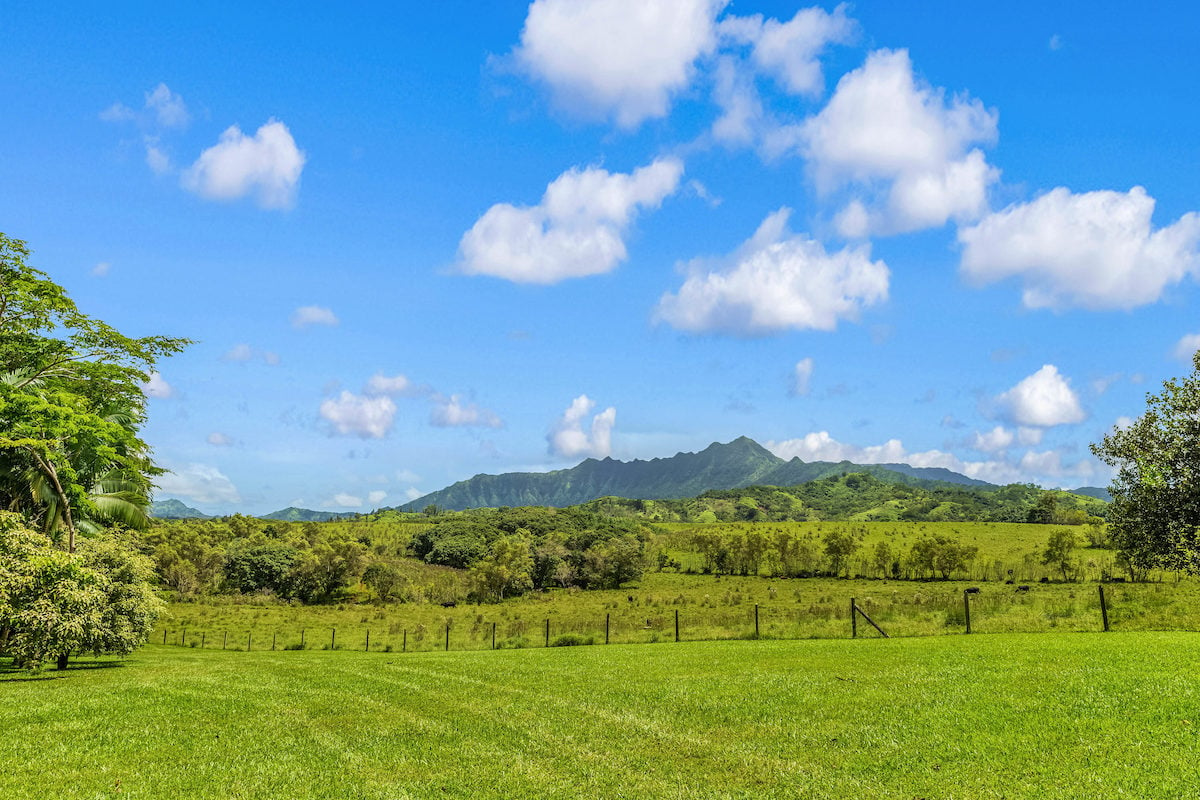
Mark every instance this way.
x=12 y=674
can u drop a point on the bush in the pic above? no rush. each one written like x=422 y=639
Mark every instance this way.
x=571 y=640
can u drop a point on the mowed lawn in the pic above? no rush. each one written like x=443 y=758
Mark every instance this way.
x=1063 y=715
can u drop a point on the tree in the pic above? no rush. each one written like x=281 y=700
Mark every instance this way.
x=71 y=403
x=1060 y=551
x=506 y=570
x=839 y=547
x=383 y=578
x=1154 y=517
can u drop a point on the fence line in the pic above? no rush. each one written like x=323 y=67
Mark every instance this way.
x=977 y=610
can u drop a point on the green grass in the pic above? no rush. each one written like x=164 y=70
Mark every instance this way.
x=709 y=608
x=990 y=716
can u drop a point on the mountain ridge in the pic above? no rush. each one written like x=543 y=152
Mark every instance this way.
x=736 y=464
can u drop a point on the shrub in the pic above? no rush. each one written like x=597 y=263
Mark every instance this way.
x=571 y=640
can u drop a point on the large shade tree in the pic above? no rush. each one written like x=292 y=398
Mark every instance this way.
x=71 y=461
x=1154 y=518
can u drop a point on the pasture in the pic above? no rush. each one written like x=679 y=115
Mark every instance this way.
x=1008 y=715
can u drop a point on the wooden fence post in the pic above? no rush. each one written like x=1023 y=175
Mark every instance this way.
x=447 y=636
x=1103 y=608
x=967 y=608
x=756 y=620
x=404 y=647
x=606 y=620
x=164 y=635
x=302 y=638
x=183 y=638
x=201 y=640
x=224 y=639
x=273 y=634
x=248 y=635
x=853 y=619
x=333 y=638
x=368 y=647
x=547 y=631
x=493 y=636
x=677 y=625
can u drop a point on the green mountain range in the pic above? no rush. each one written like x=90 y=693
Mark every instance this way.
x=293 y=514
x=742 y=462
x=174 y=509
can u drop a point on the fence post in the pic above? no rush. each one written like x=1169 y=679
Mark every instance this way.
x=1103 y=608
x=547 y=631
x=333 y=638
x=756 y=620
x=677 y=625
x=164 y=635
x=248 y=635
x=493 y=636
x=273 y=634
x=853 y=619
x=302 y=638
x=967 y=608
x=183 y=638
x=224 y=639
x=404 y=647
x=447 y=636
x=606 y=619
x=201 y=640
x=368 y=647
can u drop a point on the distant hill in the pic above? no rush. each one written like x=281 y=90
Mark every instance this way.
x=742 y=462
x=1093 y=491
x=174 y=509
x=293 y=514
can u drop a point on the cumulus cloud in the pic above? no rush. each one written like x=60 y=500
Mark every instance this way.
x=1045 y=466
x=393 y=386
x=267 y=164
x=790 y=51
x=306 y=316
x=802 y=374
x=568 y=438
x=357 y=415
x=1042 y=400
x=1096 y=250
x=345 y=500
x=201 y=483
x=168 y=107
x=908 y=154
x=376 y=497
x=576 y=230
x=156 y=386
x=453 y=412
x=239 y=352
x=1187 y=346
x=776 y=281
x=998 y=438
x=217 y=439
x=619 y=59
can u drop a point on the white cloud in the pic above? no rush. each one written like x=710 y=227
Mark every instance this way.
x=998 y=438
x=1095 y=250
x=198 y=482
x=101 y=270
x=569 y=440
x=801 y=377
x=1042 y=400
x=908 y=153
x=376 y=497
x=622 y=59
x=789 y=51
x=239 y=352
x=412 y=493
x=1030 y=437
x=156 y=158
x=1045 y=467
x=345 y=500
x=305 y=316
x=168 y=107
x=217 y=439
x=1187 y=346
x=576 y=230
x=393 y=386
x=407 y=476
x=452 y=412
x=267 y=164
x=774 y=282
x=118 y=112
x=1055 y=42
x=355 y=415
x=156 y=386
x=1123 y=423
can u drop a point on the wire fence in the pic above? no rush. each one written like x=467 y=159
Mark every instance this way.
x=969 y=610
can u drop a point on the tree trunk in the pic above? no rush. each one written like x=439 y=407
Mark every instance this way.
x=62 y=660
x=47 y=467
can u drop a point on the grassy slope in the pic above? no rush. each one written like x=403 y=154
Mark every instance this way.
x=1048 y=716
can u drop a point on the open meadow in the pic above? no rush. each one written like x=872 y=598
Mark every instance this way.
x=1009 y=715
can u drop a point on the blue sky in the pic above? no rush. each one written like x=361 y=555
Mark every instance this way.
x=416 y=242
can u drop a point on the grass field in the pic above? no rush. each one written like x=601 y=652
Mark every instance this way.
x=709 y=607
x=1007 y=715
